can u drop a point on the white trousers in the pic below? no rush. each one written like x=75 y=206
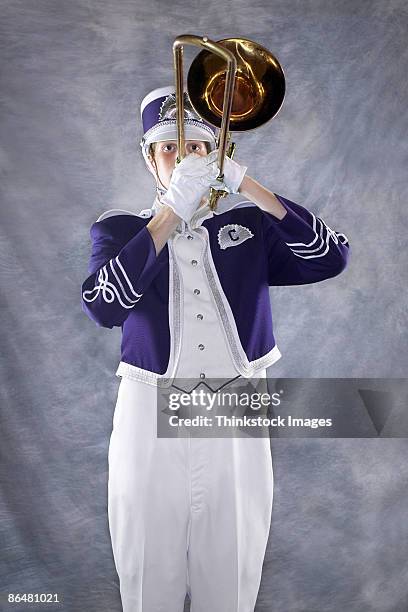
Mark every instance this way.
x=185 y=514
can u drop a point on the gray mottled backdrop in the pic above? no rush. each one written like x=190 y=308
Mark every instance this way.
x=72 y=77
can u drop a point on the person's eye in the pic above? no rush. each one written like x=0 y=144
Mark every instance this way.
x=169 y=147
x=195 y=147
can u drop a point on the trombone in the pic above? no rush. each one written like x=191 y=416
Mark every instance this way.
x=234 y=83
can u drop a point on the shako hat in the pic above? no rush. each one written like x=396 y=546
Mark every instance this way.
x=158 y=114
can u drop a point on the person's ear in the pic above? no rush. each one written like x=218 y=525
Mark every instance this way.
x=151 y=164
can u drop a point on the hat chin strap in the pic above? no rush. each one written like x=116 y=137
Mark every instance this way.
x=160 y=188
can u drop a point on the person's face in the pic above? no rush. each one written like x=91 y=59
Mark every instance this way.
x=165 y=156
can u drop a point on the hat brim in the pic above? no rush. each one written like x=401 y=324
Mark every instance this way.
x=169 y=132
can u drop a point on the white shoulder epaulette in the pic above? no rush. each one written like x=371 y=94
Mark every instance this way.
x=145 y=213
x=245 y=204
x=226 y=207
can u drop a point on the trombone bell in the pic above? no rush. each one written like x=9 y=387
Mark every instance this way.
x=259 y=85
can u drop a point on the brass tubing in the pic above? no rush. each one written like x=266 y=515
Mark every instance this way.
x=178 y=67
x=229 y=57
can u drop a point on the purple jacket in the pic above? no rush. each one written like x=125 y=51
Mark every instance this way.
x=249 y=250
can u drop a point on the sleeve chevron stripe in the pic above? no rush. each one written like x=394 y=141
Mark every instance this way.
x=111 y=286
x=320 y=241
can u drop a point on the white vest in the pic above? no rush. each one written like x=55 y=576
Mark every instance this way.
x=204 y=350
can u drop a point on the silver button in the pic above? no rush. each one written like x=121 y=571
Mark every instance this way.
x=194 y=262
x=200 y=316
x=202 y=375
x=201 y=347
x=189 y=237
x=196 y=291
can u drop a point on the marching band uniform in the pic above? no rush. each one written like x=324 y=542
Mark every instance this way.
x=193 y=515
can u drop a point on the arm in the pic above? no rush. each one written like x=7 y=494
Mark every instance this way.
x=301 y=248
x=262 y=197
x=162 y=226
x=119 y=275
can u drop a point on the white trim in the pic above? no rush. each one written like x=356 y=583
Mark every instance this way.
x=344 y=236
x=198 y=219
x=127 y=370
x=108 y=289
x=321 y=245
x=228 y=206
x=138 y=295
x=323 y=242
x=194 y=129
x=323 y=228
x=320 y=235
x=290 y=244
x=113 y=212
x=175 y=310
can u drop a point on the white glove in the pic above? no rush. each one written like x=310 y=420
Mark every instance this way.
x=191 y=179
x=233 y=173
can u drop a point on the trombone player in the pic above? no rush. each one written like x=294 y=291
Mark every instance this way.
x=189 y=286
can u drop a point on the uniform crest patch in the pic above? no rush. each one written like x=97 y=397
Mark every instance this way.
x=233 y=235
x=168 y=108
